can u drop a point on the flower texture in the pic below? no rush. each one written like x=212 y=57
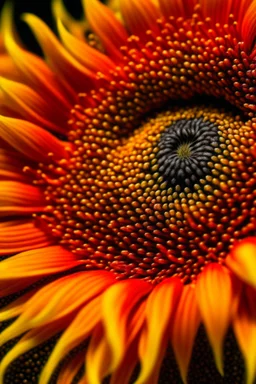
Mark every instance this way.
x=128 y=183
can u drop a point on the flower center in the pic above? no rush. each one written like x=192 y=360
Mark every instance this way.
x=164 y=201
x=185 y=148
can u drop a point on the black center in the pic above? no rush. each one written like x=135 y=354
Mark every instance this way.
x=185 y=148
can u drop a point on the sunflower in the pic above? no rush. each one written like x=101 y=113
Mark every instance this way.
x=128 y=183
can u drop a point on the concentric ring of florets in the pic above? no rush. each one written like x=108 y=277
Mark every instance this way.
x=114 y=207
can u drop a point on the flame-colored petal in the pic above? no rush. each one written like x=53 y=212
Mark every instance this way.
x=29 y=341
x=22 y=237
x=140 y=16
x=160 y=307
x=35 y=263
x=70 y=369
x=30 y=139
x=104 y=23
x=77 y=332
x=245 y=331
x=58 y=57
x=56 y=300
x=76 y=27
x=177 y=8
x=217 y=298
x=7 y=67
x=98 y=357
x=248 y=27
x=11 y=166
x=216 y=10
x=86 y=55
x=19 y=198
x=185 y=326
x=118 y=303
x=33 y=70
x=30 y=105
x=242 y=260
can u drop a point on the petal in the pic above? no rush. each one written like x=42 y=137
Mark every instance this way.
x=217 y=298
x=31 y=106
x=35 y=264
x=56 y=300
x=58 y=57
x=70 y=369
x=248 y=27
x=77 y=332
x=177 y=8
x=30 y=139
x=242 y=260
x=98 y=357
x=160 y=307
x=104 y=23
x=184 y=331
x=19 y=198
x=86 y=55
x=140 y=16
x=118 y=303
x=245 y=331
x=22 y=237
x=216 y=10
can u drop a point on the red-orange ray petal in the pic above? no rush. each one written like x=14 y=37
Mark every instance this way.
x=216 y=10
x=248 y=27
x=118 y=303
x=19 y=198
x=56 y=300
x=31 y=340
x=22 y=237
x=217 y=297
x=177 y=8
x=245 y=330
x=77 y=332
x=70 y=369
x=35 y=264
x=98 y=357
x=140 y=16
x=30 y=105
x=185 y=325
x=59 y=59
x=104 y=23
x=7 y=67
x=242 y=260
x=11 y=166
x=160 y=307
x=86 y=55
x=30 y=139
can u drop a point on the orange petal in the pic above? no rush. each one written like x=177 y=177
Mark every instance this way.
x=19 y=198
x=217 y=299
x=98 y=357
x=86 y=55
x=30 y=139
x=77 y=332
x=160 y=307
x=177 y=8
x=58 y=57
x=7 y=68
x=34 y=70
x=22 y=237
x=140 y=16
x=70 y=369
x=30 y=341
x=35 y=264
x=104 y=23
x=184 y=331
x=56 y=300
x=248 y=27
x=216 y=10
x=118 y=303
x=245 y=331
x=242 y=260
x=30 y=105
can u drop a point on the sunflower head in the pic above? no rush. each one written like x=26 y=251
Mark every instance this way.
x=128 y=171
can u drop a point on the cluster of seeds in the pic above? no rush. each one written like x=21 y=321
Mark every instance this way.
x=159 y=196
